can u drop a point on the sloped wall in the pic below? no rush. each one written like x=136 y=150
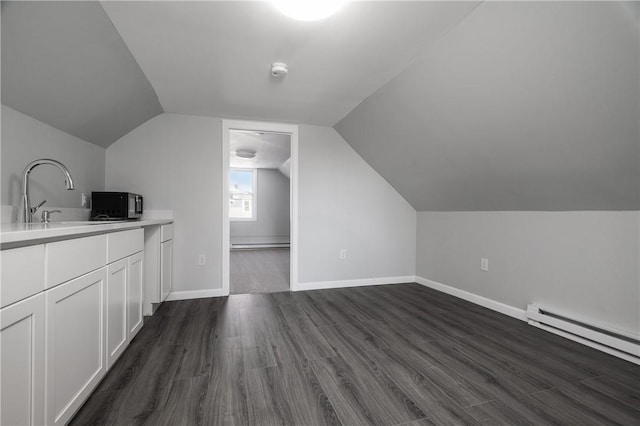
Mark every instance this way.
x=65 y=64
x=522 y=106
x=517 y=138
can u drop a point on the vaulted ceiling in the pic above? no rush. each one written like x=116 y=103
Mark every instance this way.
x=64 y=64
x=98 y=69
x=522 y=106
x=213 y=58
x=459 y=105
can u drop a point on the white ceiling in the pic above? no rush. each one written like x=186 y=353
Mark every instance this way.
x=272 y=149
x=213 y=57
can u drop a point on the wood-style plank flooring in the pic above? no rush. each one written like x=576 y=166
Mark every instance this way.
x=385 y=355
x=263 y=270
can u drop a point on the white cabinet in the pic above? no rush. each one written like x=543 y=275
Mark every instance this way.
x=75 y=343
x=68 y=310
x=158 y=252
x=22 y=358
x=116 y=291
x=123 y=290
x=123 y=244
x=166 y=268
x=71 y=258
x=22 y=273
x=135 y=294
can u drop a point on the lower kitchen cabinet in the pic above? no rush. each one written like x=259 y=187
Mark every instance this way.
x=22 y=360
x=135 y=296
x=166 y=269
x=69 y=309
x=117 y=288
x=158 y=272
x=75 y=344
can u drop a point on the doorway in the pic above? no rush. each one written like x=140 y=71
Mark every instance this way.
x=260 y=207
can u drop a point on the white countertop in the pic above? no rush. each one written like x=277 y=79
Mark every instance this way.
x=16 y=233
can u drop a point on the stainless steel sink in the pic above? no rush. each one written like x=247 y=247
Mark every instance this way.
x=85 y=222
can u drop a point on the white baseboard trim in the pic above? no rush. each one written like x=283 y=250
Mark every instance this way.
x=322 y=285
x=194 y=294
x=517 y=313
x=266 y=239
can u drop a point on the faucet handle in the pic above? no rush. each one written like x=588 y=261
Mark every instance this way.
x=46 y=215
x=35 y=209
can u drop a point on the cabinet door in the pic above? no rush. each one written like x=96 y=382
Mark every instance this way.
x=135 y=294
x=22 y=362
x=116 y=298
x=75 y=343
x=152 y=269
x=166 y=271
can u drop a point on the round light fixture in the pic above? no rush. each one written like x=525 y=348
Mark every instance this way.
x=308 y=10
x=245 y=153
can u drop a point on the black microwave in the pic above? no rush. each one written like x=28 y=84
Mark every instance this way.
x=115 y=206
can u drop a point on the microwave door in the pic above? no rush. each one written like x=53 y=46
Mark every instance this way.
x=132 y=206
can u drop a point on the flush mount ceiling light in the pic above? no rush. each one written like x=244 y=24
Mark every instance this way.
x=245 y=153
x=308 y=10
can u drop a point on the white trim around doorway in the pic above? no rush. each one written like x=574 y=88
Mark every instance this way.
x=291 y=129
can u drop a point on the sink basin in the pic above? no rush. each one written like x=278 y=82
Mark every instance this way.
x=85 y=222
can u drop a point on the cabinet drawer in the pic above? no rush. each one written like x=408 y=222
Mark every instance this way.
x=72 y=258
x=124 y=244
x=166 y=232
x=22 y=273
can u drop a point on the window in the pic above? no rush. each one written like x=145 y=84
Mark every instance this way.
x=242 y=194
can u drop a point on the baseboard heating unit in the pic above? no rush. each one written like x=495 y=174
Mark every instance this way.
x=615 y=342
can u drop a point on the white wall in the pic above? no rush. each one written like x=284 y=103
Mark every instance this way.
x=586 y=264
x=272 y=224
x=344 y=203
x=175 y=162
x=25 y=139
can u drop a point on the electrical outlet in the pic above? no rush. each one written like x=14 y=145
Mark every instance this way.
x=484 y=264
x=343 y=254
x=85 y=202
x=202 y=260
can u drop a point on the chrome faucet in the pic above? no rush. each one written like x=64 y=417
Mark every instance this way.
x=27 y=210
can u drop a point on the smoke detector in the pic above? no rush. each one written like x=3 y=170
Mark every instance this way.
x=279 y=69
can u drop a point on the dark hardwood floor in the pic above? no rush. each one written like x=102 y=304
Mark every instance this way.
x=384 y=355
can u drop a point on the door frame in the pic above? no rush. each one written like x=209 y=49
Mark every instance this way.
x=257 y=126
